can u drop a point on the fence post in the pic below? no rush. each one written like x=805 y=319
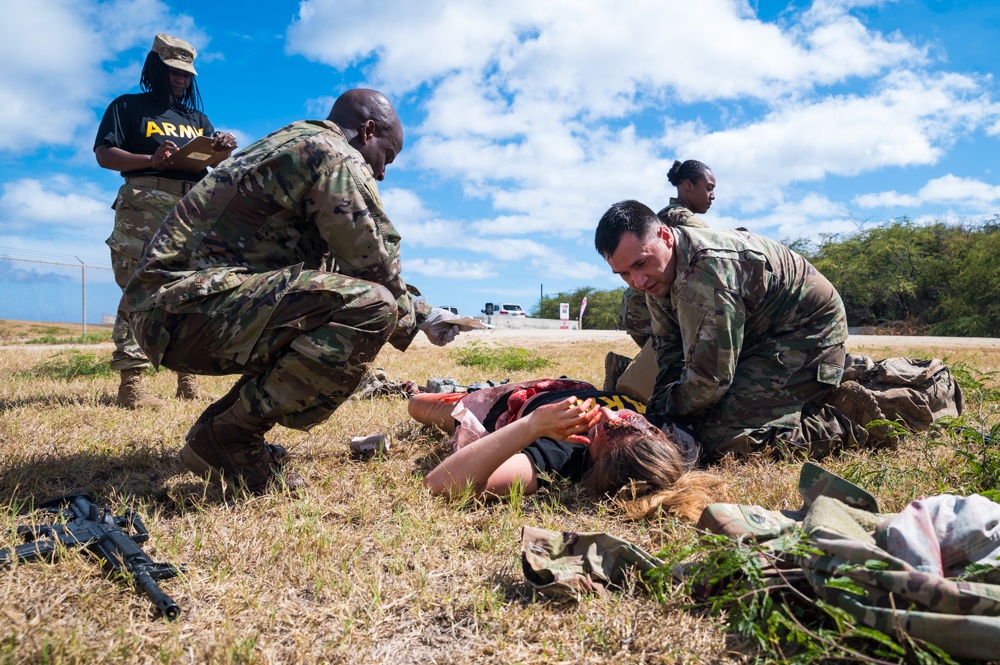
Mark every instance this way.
x=83 y=300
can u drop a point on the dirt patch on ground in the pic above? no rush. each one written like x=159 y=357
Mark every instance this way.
x=19 y=332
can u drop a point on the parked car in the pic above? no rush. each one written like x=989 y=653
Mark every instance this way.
x=453 y=310
x=508 y=309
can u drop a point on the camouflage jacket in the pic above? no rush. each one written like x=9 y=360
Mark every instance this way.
x=300 y=198
x=676 y=214
x=732 y=291
x=634 y=316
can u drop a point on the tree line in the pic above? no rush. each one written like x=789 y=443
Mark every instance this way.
x=942 y=279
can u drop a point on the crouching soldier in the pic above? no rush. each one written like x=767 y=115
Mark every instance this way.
x=281 y=266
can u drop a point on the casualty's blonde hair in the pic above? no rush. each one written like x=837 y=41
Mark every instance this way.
x=646 y=472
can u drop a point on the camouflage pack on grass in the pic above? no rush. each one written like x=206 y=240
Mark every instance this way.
x=912 y=391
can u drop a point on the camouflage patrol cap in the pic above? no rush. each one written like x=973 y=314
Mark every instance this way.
x=175 y=52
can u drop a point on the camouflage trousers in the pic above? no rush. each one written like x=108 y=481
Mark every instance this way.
x=138 y=212
x=776 y=402
x=304 y=336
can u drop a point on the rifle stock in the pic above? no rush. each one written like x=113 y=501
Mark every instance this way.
x=113 y=540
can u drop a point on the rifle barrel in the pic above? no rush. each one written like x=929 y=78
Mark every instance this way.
x=145 y=582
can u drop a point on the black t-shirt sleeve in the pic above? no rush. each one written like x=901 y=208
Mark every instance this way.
x=114 y=127
x=560 y=458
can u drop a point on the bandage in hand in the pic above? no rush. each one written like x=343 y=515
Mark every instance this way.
x=437 y=328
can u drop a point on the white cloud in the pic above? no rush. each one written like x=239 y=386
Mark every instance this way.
x=544 y=109
x=968 y=193
x=909 y=121
x=405 y=206
x=452 y=268
x=594 y=54
x=57 y=206
x=564 y=267
x=57 y=53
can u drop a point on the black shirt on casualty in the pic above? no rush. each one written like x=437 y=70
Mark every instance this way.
x=561 y=458
x=139 y=124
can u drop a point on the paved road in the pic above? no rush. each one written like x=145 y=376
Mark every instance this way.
x=510 y=335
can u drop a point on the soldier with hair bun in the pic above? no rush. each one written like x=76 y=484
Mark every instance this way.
x=695 y=185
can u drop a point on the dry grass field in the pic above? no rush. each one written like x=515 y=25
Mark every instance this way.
x=364 y=566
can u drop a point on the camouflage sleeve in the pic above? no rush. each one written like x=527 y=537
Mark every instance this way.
x=710 y=324
x=347 y=210
x=669 y=351
x=634 y=317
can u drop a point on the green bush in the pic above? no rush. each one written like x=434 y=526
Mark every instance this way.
x=495 y=357
x=603 y=307
x=90 y=338
x=71 y=364
x=938 y=275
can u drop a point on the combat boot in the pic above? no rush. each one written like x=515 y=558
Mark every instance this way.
x=277 y=452
x=188 y=388
x=230 y=446
x=614 y=366
x=859 y=405
x=131 y=394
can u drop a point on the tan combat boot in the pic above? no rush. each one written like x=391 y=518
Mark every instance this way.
x=131 y=394
x=859 y=404
x=188 y=388
x=230 y=446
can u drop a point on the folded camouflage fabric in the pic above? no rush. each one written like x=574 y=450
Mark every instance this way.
x=960 y=617
x=757 y=523
x=566 y=564
x=897 y=562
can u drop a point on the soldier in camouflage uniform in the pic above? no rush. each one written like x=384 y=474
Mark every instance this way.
x=137 y=136
x=695 y=192
x=749 y=337
x=281 y=266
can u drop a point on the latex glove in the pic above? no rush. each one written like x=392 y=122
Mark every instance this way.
x=437 y=328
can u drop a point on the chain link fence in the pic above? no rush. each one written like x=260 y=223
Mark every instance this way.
x=34 y=289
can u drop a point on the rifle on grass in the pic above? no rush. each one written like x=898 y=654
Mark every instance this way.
x=113 y=540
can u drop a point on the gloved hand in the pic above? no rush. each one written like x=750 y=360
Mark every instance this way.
x=437 y=328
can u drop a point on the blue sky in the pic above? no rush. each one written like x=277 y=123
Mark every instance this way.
x=525 y=120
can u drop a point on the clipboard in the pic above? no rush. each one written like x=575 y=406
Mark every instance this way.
x=196 y=155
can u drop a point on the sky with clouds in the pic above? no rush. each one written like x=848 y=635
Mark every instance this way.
x=525 y=120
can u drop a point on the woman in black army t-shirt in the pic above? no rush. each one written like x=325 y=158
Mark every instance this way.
x=138 y=136
x=568 y=429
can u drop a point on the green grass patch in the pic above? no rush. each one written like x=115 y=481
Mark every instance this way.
x=784 y=619
x=90 y=338
x=70 y=365
x=496 y=357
